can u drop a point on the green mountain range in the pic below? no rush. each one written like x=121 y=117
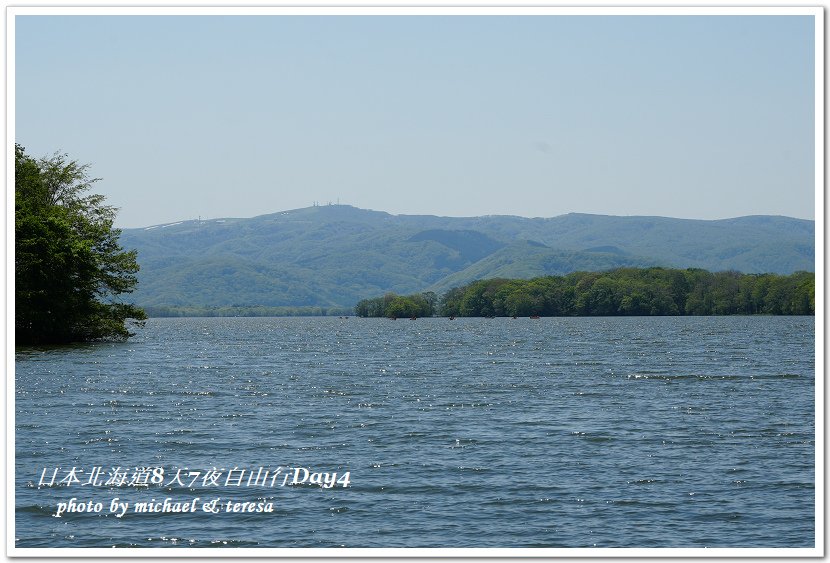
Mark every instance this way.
x=335 y=255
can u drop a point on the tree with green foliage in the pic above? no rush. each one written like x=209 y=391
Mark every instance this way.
x=401 y=307
x=450 y=302
x=69 y=267
x=393 y=306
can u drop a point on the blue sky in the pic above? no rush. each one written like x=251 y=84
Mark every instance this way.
x=235 y=116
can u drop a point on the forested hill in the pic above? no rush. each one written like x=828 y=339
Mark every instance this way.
x=333 y=256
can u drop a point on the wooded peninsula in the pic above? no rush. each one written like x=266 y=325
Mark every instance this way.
x=619 y=292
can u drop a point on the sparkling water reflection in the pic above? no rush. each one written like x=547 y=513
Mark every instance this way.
x=609 y=432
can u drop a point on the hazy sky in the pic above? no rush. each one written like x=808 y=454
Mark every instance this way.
x=236 y=116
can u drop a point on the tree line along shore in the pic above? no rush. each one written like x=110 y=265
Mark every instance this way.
x=619 y=292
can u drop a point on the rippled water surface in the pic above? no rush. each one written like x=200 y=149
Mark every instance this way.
x=579 y=432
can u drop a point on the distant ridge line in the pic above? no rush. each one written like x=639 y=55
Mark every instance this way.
x=495 y=215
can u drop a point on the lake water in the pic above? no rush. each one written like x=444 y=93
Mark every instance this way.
x=557 y=432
